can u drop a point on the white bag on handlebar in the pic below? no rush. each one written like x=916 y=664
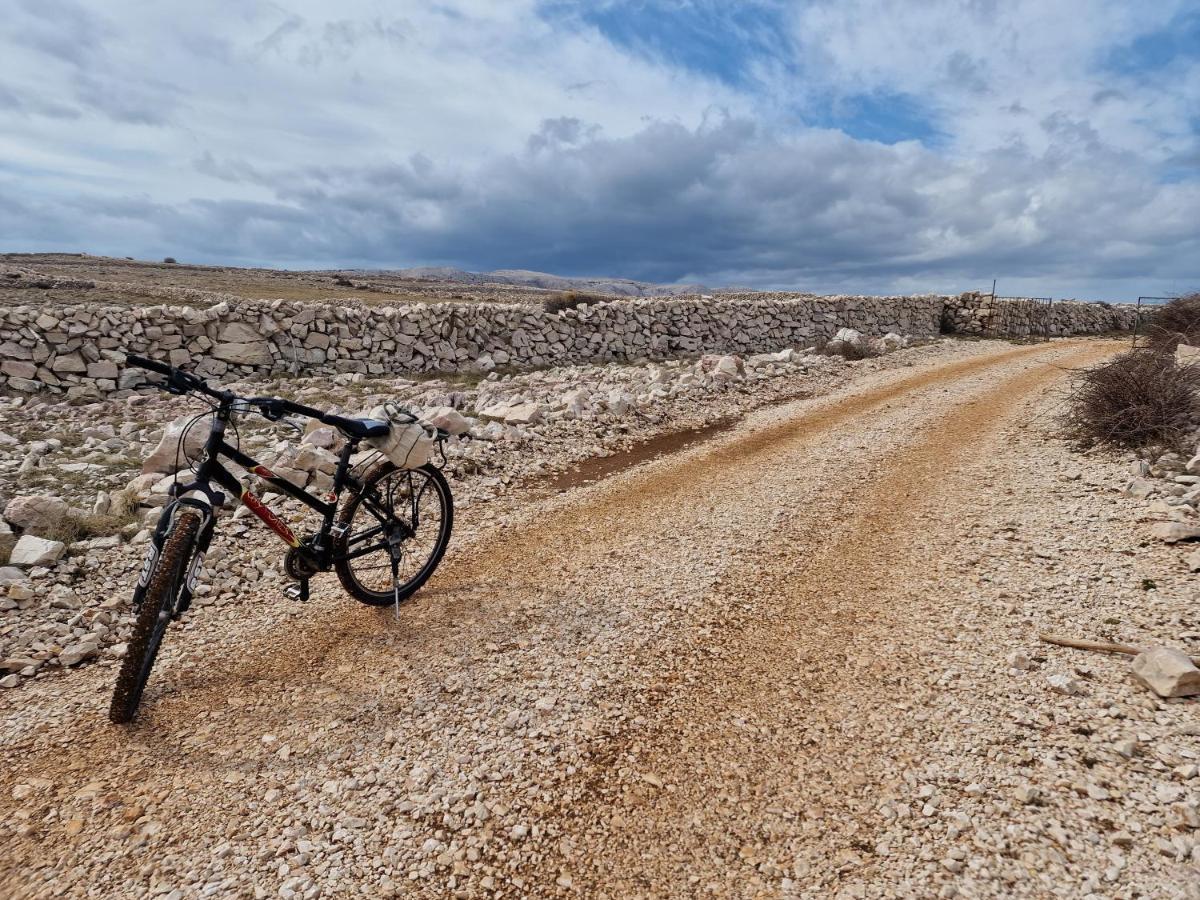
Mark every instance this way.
x=409 y=444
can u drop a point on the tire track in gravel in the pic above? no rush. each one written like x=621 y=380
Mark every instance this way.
x=546 y=570
x=723 y=790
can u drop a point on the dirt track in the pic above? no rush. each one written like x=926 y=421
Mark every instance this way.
x=708 y=675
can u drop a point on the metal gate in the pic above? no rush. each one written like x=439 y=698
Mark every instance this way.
x=1149 y=302
x=1020 y=317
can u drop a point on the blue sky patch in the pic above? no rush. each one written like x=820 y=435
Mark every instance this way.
x=719 y=40
x=1179 y=40
x=887 y=118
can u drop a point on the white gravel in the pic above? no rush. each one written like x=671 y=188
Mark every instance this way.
x=800 y=660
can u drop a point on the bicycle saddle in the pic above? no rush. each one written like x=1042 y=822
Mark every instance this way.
x=359 y=428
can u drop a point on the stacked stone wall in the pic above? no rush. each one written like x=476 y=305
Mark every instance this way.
x=78 y=348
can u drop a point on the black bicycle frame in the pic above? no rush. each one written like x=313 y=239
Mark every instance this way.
x=212 y=470
x=319 y=551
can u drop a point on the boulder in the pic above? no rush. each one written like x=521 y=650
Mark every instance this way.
x=448 y=419
x=618 y=402
x=848 y=336
x=731 y=366
x=1187 y=355
x=168 y=456
x=314 y=459
x=522 y=414
x=37 y=513
x=10 y=575
x=726 y=365
x=1173 y=532
x=1140 y=489
x=321 y=436
x=257 y=353
x=1167 y=672
x=35 y=551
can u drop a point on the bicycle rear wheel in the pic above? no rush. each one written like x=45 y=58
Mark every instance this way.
x=158 y=605
x=408 y=511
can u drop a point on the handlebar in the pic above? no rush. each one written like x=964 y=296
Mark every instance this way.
x=178 y=381
x=272 y=408
x=142 y=363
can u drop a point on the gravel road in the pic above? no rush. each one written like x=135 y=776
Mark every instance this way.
x=797 y=660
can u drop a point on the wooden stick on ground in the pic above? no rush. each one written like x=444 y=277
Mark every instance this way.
x=1102 y=646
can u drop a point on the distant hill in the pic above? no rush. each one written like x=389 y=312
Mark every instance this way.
x=622 y=287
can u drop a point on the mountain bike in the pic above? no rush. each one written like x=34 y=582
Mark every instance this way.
x=384 y=541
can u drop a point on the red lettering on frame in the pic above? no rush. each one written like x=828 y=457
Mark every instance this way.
x=261 y=510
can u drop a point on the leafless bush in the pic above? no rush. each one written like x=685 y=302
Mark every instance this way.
x=571 y=299
x=864 y=349
x=1176 y=323
x=1141 y=399
x=169 y=260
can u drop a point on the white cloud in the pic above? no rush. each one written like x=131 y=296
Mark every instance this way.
x=483 y=134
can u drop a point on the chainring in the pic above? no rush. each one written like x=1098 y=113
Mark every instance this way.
x=298 y=565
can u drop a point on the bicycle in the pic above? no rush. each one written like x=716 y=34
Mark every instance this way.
x=394 y=520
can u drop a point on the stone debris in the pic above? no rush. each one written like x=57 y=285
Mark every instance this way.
x=32 y=551
x=1167 y=672
x=1173 y=532
x=559 y=717
x=36 y=513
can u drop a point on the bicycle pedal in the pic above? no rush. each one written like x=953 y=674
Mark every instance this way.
x=297 y=591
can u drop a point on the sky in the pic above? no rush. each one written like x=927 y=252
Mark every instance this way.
x=821 y=145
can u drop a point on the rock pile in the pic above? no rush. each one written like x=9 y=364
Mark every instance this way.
x=1170 y=488
x=78 y=507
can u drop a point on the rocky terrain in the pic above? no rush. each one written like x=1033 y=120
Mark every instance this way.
x=82 y=486
x=796 y=656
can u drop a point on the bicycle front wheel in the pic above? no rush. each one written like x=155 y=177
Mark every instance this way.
x=166 y=577
x=401 y=518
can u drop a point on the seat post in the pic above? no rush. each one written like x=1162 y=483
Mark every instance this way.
x=348 y=450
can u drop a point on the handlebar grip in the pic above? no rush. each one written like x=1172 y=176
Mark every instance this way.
x=142 y=363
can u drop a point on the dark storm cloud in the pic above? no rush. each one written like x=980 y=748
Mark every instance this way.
x=725 y=201
x=840 y=145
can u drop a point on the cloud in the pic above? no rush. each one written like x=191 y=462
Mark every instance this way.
x=856 y=145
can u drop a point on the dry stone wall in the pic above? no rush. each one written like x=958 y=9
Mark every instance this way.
x=78 y=348
x=985 y=316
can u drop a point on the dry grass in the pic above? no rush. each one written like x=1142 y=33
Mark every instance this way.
x=1176 y=323
x=1140 y=400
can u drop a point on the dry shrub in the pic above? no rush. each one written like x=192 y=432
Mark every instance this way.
x=571 y=299
x=1141 y=399
x=75 y=525
x=864 y=349
x=1178 y=322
